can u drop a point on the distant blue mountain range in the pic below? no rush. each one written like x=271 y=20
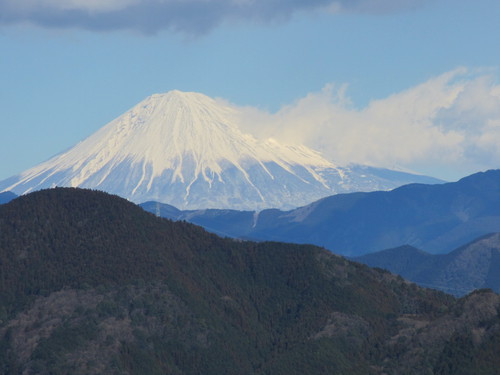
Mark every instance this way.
x=6 y=197
x=472 y=266
x=436 y=218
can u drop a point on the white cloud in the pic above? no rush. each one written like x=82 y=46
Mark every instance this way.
x=449 y=125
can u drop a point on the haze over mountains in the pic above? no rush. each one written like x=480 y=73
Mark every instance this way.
x=473 y=266
x=185 y=149
x=6 y=197
x=436 y=218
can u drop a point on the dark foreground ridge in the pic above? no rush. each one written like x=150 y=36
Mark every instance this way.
x=92 y=284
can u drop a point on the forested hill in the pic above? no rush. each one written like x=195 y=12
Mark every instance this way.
x=92 y=284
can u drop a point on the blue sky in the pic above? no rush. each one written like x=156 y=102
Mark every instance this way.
x=407 y=83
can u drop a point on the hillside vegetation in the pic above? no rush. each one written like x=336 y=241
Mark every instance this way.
x=92 y=284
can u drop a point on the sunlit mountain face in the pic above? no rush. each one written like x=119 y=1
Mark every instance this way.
x=186 y=149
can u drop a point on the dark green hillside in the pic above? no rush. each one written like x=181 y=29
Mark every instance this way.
x=92 y=284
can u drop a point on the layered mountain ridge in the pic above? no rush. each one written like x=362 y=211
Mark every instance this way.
x=435 y=218
x=186 y=149
x=472 y=266
x=91 y=284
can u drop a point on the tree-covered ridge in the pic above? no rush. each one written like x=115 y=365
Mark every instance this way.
x=92 y=284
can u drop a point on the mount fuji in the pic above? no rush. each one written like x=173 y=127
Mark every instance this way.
x=185 y=149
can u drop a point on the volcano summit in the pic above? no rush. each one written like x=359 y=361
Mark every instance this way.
x=185 y=149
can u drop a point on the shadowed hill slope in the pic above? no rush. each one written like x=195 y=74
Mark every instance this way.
x=92 y=284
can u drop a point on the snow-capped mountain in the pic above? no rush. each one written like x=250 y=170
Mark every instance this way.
x=185 y=149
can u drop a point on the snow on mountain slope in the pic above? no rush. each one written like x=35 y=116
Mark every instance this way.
x=184 y=149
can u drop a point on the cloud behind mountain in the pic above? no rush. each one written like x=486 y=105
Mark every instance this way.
x=450 y=122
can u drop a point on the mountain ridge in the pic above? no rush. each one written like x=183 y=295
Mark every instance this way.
x=471 y=266
x=436 y=218
x=7 y=196
x=92 y=284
